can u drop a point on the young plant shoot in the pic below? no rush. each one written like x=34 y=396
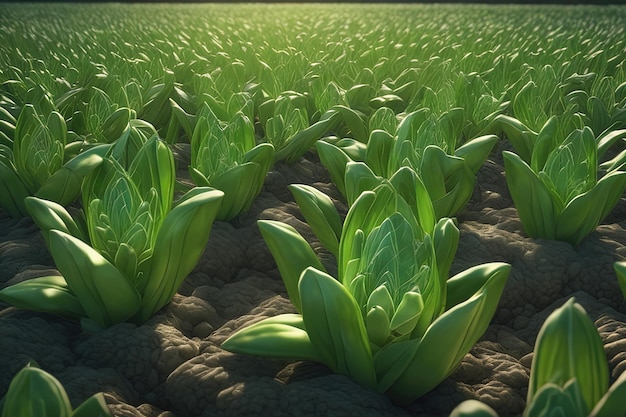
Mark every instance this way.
x=35 y=393
x=129 y=254
x=558 y=194
x=38 y=165
x=569 y=375
x=391 y=320
x=224 y=156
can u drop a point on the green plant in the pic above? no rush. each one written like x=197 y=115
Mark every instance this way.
x=285 y=121
x=35 y=393
x=157 y=108
x=392 y=320
x=129 y=254
x=432 y=146
x=224 y=155
x=427 y=144
x=569 y=375
x=558 y=195
x=37 y=164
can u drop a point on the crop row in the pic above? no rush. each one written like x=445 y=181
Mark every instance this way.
x=403 y=112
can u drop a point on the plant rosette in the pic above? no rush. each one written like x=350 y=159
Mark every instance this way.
x=558 y=195
x=392 y=321
x=127 y=256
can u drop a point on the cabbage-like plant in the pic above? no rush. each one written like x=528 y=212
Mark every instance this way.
x=35 y=393
x=391 y=320
x=224 y=155
x=92 y=114
x=558 y=194
x=430 y=147
x=132 y=251
x=37 y=163
x=285 y=121
x=157 y=109
x=569 y=375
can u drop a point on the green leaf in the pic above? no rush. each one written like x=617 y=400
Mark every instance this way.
x=47 y=294
x=379 y=147
x=412 y=190
x=115 y=124
x=521 y=137
x=13 y=192
x=613 y=403
x=389 y=258
x=94 y=406
x=198 y=177
x=335 y=326
x=378 y=325
x=239 y=185
x=64 y=185
x=467 y=283
x=49 y=215
x=335 y=161
x=384 y=119
x=304 y=139
x=476 y=151
x=381 y=297
x=544 y=144
x=262 y=154
x=570 y=169
x=445 y=241
x=534 y=202
x=153 y=167
x=554 y=400
x=568 y=347
x=407 y=313
x=180 y=242
x=35 y=393
x=446 y=341
x=449 y=181
x=367 y=212
x=293 y=262
x=283 y=337
x=353 y=148
x=185 y=120
x=586 y=211
x=358 y=178
x=391 y=361
x=103 y=291
x=620 y=271
x=607 y=140
x=38 y=146
x=320 y=213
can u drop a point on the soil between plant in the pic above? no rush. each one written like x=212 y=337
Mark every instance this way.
x=173 y=365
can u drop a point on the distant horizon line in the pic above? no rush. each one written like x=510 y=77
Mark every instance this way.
x=501 y=2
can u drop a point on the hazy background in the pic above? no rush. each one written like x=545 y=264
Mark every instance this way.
x=572 y=2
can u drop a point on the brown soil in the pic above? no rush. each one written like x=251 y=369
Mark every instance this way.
x=173 y=365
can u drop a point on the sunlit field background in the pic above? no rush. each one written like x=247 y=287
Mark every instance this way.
x=436 y=56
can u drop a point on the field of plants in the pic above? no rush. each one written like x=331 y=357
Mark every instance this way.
x=312 y=210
